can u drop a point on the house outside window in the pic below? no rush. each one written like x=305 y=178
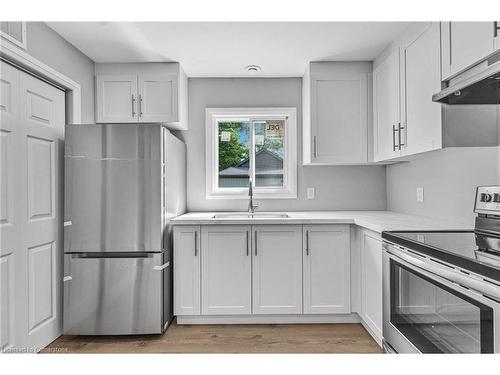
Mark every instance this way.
x=251 y=144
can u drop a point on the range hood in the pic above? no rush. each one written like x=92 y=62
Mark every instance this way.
x=478 y=85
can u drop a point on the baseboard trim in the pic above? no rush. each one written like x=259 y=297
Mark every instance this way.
x=268 y=319
x=376 y=337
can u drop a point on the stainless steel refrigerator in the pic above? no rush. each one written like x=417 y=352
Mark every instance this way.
x=123 y=183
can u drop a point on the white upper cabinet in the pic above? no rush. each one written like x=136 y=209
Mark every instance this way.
x=158 y=97
x=326 y=262
x=386 y=108
x=143 y=92
x=406 y=75
x=277 y=269
x=226 y=270
x=496 y=34
x=422 y=123
x=466 y=43
x=116 y=98
x=337 y=99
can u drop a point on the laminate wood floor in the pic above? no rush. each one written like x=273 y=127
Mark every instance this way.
x=258 y=338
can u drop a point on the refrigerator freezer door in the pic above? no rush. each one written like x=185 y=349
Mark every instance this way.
x=113 y=188
x=114 y=296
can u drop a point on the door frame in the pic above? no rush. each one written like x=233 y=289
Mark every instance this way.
x=22 y=59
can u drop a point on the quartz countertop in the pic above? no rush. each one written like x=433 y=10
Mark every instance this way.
x=377 y=221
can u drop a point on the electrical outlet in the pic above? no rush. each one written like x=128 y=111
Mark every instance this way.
x=420 y=194
x=311 y=193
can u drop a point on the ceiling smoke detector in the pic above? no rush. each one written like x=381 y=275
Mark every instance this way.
x=252 y=68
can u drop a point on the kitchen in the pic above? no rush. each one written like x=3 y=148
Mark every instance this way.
x=190 y=187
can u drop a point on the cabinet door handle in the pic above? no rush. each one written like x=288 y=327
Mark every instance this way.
x=314 y=147
x=307 y=242
x=140 y=105
x=133 y=105
x=399 y=135
x=495 y=29
x=394 y=130
x=255 y=243
x=248 y=250
x=196 y=243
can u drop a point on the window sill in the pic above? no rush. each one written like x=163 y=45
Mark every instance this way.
x=243 y=195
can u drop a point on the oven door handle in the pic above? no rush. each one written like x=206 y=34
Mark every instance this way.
x=452 y=275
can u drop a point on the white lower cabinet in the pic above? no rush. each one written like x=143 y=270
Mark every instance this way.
x=371 y=281
x=187 y=270
x=273 y=273
x=226 y=270
x=326 y=269
x=277 y=269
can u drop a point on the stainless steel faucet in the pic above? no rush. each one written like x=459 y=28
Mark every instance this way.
x=251 y=205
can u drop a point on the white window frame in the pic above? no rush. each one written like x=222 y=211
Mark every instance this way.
x=215 y=115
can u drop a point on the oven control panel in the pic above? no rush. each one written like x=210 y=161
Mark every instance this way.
x=487 y=200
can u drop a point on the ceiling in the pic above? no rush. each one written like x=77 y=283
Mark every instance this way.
x=224 y=49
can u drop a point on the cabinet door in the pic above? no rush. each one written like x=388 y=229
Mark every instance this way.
x=326 y=269
x=386 y=108
x=187 y=270
x=158 y=99
x=277 y=269
x=339 y=118
x=116 y=98
x=422 y=61
x=226 y=269
x=371 y=281
x=464 y=44
x=496 y=34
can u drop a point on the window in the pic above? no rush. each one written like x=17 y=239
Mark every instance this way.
x=251 y=144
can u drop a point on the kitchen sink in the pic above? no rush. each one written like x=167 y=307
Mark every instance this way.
x=255 y=215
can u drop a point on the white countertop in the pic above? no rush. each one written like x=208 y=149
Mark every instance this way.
x=377 y=221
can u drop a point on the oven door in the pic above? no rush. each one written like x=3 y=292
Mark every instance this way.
x=426 y=313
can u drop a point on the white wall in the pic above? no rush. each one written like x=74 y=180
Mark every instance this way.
x=337 y=188
x=49 y=47
x=449 y=178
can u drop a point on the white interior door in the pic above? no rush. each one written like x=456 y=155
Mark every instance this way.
x=36 y=207
x=117 y=99
x=226 y=270
x=158 y=100
x=10 y=226
x=277 y=269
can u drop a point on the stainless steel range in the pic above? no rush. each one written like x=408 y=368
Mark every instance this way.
x=442 y=288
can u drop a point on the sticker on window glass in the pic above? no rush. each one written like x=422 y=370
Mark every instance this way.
x=275 y=128
x=225 y=136
x=259 y=139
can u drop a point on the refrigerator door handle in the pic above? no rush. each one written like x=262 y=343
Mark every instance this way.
x=162 y=267
x=111 y=255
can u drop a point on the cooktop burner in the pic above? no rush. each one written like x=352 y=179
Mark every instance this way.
x=458 y=248
x=458 y=243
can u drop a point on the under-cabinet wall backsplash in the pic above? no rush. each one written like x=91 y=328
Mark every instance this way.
x=449 y=178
